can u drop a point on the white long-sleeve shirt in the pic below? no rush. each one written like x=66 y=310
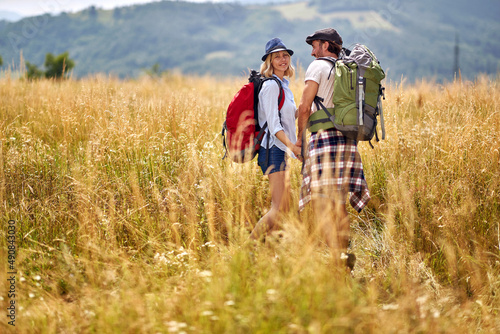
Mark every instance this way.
x=268 y=112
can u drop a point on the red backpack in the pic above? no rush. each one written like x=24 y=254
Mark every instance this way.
x=244 y=135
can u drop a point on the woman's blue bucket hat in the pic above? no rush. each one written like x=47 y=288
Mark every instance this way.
x=275 y=45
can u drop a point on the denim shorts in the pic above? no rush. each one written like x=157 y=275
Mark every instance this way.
x=277 y=160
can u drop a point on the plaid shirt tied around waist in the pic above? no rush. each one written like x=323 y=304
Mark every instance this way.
x=333 y=168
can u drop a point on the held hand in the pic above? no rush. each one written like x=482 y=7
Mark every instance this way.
x=299 y=142
x=297 y=151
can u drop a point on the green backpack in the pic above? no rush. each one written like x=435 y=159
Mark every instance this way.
x=357 y=94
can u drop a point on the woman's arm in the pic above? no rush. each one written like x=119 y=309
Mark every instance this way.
x=291 y=146
x=268 y=105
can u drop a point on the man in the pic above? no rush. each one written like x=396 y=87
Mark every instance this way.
x=332 y=166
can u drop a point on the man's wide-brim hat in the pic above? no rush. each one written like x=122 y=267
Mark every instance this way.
x=275 y=45
x=327 y=34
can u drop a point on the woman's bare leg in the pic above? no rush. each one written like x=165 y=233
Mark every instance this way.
x=279 y=203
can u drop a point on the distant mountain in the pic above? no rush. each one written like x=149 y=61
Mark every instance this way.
x=9 y=16
x=258 y=2
x=412 y=39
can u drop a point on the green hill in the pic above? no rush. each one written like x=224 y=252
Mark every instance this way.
x=411 y=39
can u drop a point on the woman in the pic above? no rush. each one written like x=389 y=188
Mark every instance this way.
x=280 y=134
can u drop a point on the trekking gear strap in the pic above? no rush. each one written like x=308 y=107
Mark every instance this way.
x=319 y=105
x=303 y=150
x=331 y=60
x=267 y=150
x=380 y=111
x=361 y=100
x=260 y=135
x=281 y=96
x=224 y=140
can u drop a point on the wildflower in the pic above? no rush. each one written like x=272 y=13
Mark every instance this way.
x=421 y=300
x=37 y=278
x=31 y=295
x=205 y=273
x=207 y=313
x=271 y=295
x=89 y=313
x=390 y=307
x=229 y=303
x=181 y=255
x=174 y=326
x=22 y=279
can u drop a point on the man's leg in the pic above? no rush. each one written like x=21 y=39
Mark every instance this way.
x=333 y=224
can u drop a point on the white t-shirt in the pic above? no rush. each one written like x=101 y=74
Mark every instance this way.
x=322 y=72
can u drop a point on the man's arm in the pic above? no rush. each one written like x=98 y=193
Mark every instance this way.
x=310 y=91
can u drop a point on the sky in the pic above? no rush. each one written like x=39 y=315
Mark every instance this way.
x=38 y=7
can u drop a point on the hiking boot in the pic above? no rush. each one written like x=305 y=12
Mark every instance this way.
x=350 y=260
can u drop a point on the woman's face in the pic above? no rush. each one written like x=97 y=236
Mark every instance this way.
x=280 y=62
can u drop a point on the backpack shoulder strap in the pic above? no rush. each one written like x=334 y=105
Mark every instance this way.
x=331 y=60
x=258 y=80
x=281 y=96
x=281 y=100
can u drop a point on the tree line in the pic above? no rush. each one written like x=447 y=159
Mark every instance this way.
x=55 y=66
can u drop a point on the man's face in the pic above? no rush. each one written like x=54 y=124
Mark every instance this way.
x=318 y=49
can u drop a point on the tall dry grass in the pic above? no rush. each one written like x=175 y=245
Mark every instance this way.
x=129 y=222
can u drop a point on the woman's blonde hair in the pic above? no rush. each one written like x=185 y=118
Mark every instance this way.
x=267 y=69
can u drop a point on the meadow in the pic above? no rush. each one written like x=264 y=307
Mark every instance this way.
x=128 y=220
